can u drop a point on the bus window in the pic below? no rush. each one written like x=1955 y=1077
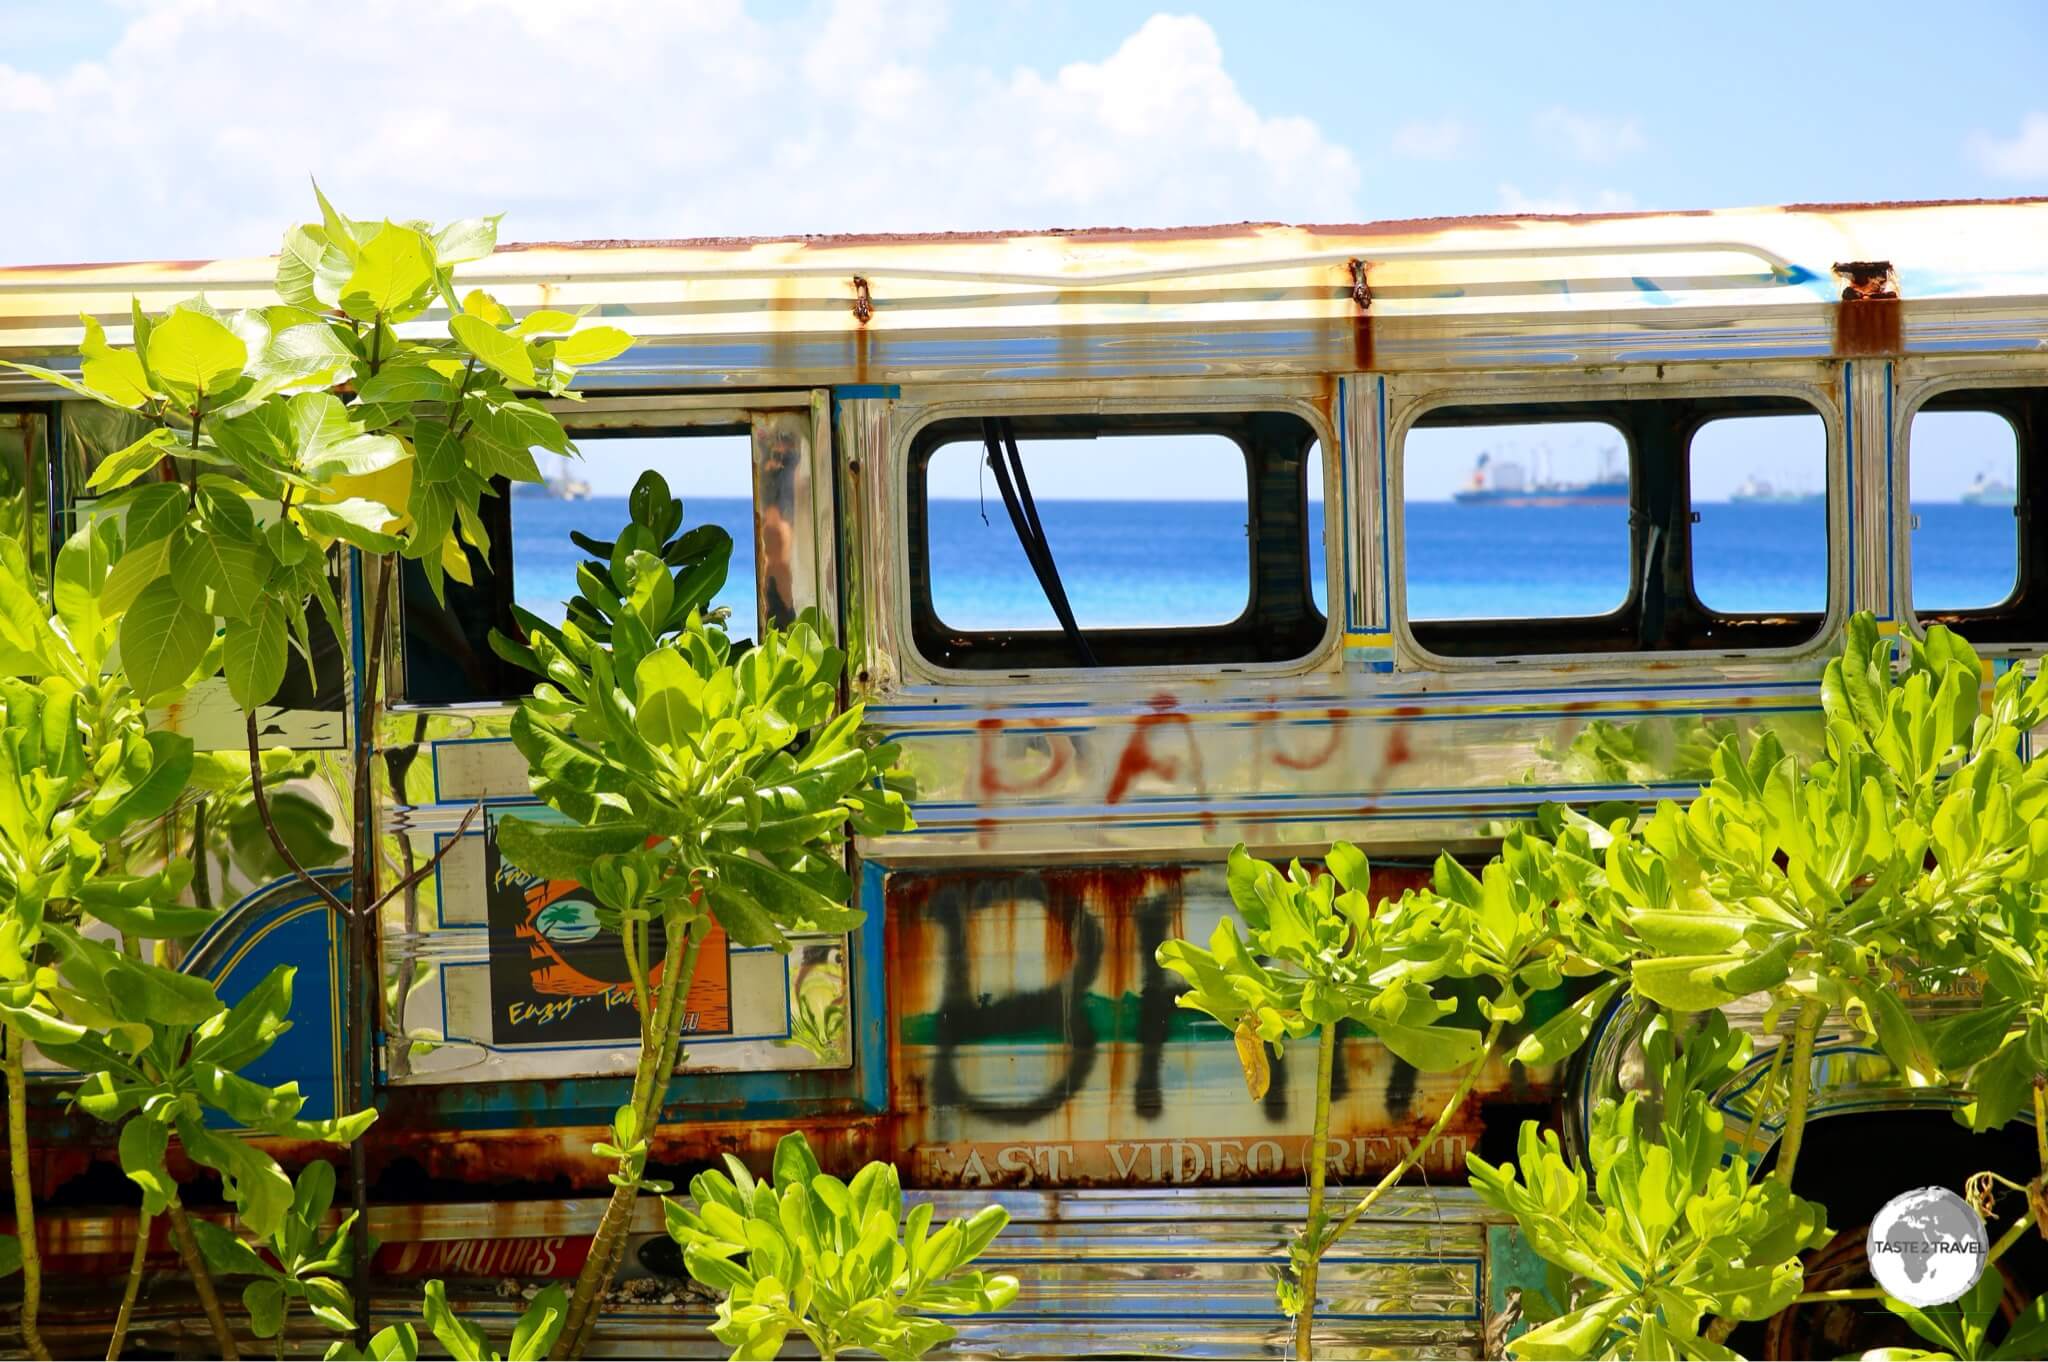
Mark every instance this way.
x=712 y=474
x=446 y=649
x=1965 y=486
x=1759 y=495
x=1173 y=540
x=1146 y=531
x=1516 y=521
x=1562 y=527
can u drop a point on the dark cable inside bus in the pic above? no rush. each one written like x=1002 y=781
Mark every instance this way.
x=1007 y=464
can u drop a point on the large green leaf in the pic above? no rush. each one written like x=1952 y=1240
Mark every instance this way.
x=311 y=270
x=134 y=570
x=220 y=573
x=143 y=1143
x=127 y=464
x=116 y=373
x=470 y=239
x=163 y=636
x=1432 y=1049
x=137 y=797
x=564 y=851
x=249 y=1177
x=592 y=345
x=506 y=354
x=192 y=353
x=326 y=442
x=253 y=653
x=463 y=1340
x=393 y=276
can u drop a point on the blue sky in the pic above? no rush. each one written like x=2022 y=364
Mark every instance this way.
x=186 y=128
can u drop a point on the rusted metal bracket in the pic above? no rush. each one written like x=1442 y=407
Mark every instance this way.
x=863 y=301
x=1868 y=320
x=1867 y=280
x=1361 y=325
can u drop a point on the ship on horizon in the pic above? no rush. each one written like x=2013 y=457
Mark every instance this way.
x=1757 y=489
x=561 y=485
x=1507 y=483
x=1991 y=491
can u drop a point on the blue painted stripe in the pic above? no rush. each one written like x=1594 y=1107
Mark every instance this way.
x=1849 y=467
x=1344 y=495
x=1376 y=697
x=1386 y=519
x=1891 y=519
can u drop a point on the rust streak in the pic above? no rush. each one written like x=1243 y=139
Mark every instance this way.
x=1870 y=318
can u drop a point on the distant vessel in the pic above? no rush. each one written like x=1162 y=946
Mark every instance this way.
x=1505 y=483
x=560 y=485
x=1755 y=489
x=1990 y=491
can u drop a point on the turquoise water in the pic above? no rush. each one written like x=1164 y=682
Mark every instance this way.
x=1132 y=563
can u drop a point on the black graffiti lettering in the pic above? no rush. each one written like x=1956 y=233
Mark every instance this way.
x=968 y=1018
x=1155 y=1003
x=1059 y=1010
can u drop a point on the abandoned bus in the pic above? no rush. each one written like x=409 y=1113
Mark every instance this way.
x=1431 y=521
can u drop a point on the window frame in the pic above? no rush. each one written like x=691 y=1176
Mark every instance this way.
x=2025 y=624
x=917 y=485
x=1580 y=401
x=813 y=563
x=892 y=517
x=1692 y=512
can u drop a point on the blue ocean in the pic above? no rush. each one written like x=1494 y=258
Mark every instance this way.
x=1134 y=563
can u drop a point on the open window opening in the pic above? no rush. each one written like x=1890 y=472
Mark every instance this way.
x=1057 y=541
x=533 y=559
x=1614 y=526
x=1974 y=464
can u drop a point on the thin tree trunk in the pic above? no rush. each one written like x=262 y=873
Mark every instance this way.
x=202 y=1282
x=650 y=1086
x=362 y=936
x=133 y=1289
x=24 y=1199
x=1318 y=1176
x=1422 y=1146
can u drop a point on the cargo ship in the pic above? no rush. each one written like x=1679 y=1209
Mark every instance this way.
x=1507 y=483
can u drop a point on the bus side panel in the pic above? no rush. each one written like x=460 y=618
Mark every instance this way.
x=1035 y=1041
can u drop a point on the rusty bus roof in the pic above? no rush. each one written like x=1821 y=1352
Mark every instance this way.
x=783 y=291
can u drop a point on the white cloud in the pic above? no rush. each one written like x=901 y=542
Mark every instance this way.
x=194 y=132
x=1430 y=140
x=1513 y=200
x=1590 y=137
x=2024 y=156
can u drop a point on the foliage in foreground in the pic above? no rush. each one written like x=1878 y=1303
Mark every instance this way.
x=837 y=1261
x=696 y=783
x=1913 y=848
x=1676 y=1234
x=261 y=443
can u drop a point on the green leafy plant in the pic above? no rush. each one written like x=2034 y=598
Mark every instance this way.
x=1962 y=1328
x=260 y=443
x=1676 y=1235
x=1318 y=954
x=696 y=783
x=306 y=1264
x=540 y=1324
x=839 y=1262
x=1911 y=849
